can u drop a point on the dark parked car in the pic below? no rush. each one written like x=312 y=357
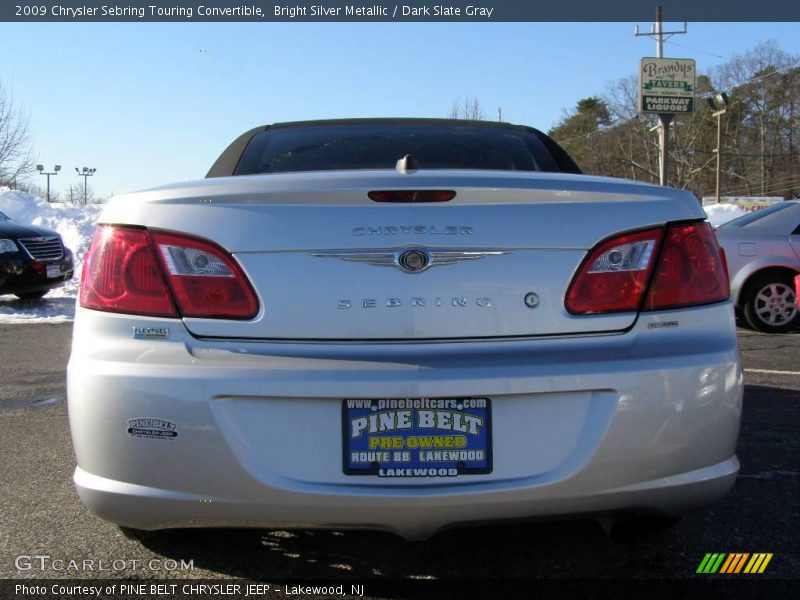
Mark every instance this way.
x=33 y=260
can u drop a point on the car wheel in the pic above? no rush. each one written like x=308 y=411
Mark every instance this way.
x=771 y=304
x=31 y=295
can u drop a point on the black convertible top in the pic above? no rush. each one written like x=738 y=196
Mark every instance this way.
x=227 y=163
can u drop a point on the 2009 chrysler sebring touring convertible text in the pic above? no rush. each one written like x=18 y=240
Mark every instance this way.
x=404 y=325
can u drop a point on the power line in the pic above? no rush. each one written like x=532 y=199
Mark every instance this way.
x=746 y=154
x=777 y=186
x=780 y=180
x=776 y=191
x=577 y=137
x=693 y=49
x=587 y=69
x=743 y=83
x=743 y=188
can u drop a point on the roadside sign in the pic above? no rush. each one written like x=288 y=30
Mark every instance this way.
x=667 y=85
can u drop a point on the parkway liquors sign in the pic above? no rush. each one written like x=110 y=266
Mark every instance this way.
x=667 y=85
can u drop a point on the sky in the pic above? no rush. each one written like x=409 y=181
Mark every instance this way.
x=152 y=103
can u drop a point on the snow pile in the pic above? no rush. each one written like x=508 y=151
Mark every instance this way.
x=76 y=225
x=722 y=213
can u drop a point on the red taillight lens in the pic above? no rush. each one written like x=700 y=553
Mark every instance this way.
x=124 y=271
x=401 y=196
x=614 y=276
x=691 y=270
x=205 y=279
x=121 y=275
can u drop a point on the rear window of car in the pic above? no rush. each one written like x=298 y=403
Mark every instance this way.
x=755 y=216
x=371 y=146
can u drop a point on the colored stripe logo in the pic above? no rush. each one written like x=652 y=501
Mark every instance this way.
x=734 y=563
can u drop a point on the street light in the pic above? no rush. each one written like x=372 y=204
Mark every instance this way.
x=85 y=173
x=56 y=169
x=719 y=104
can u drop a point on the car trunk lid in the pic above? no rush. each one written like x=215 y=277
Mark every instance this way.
x=327 y=262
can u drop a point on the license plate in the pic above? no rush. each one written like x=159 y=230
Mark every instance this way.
x=417 y=437
x=53 y=271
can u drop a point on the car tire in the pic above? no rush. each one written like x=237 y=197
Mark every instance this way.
x=31 y=295
x=771 y=304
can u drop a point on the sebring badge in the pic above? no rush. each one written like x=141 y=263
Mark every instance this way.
x=409 y=260
x=416 y=302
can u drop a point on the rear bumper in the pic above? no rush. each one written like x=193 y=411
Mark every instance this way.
x=410 y=515
x=644 y=421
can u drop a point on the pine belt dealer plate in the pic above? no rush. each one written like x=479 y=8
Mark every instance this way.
x=417 y=437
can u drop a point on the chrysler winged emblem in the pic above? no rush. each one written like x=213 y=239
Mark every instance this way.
x=409 y=259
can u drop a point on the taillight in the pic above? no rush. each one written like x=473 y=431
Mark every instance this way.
x=689 y=270
x=204 y=278
x=614 y=276
x=121 y=275
x=166 y=275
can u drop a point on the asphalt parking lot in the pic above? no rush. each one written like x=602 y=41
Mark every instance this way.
x=40 y=514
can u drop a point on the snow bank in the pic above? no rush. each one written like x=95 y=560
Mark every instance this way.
x=76 y=225
x=722 y=213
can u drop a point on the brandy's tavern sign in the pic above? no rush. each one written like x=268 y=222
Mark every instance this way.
x=667 y=85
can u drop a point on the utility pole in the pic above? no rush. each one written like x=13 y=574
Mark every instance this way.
x=719 y=104
x=719 y=114
x=663 y=119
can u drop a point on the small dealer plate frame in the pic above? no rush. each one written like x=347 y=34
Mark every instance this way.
x=469 y=437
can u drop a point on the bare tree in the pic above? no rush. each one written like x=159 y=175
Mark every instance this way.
x=16 y=157
x=74 y=194
x=32 y=188
x=761 y=130
x=470 y=109
x=622 y=98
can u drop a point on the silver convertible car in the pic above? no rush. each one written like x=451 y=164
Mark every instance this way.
x=405 y=325
x=763 y=253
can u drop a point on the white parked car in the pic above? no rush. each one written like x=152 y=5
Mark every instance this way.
x=404 y=325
